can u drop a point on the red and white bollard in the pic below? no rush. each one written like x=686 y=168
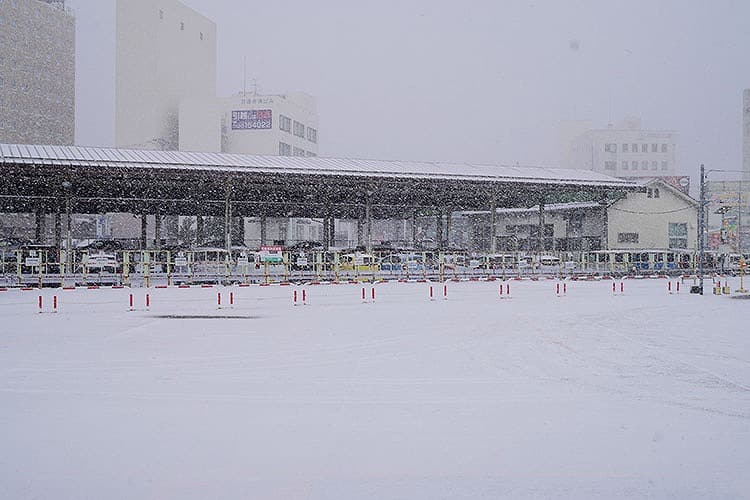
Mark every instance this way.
x=432 y=293
x=372 y=293
x=148 y=302
x=231 y=301
x=40 y=304
x=296 y=297
x=445 y=292
x=132 y=308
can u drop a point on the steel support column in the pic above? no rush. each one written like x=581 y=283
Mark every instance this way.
x=157 y=231
x=360 y=231
x=541 y=224
x=228 y=221
x=493 y=224
x=368 y=223
x=263 y=229
x=332 y=232
x=414 y=229
x=439 y=229
x=326 y=233
x=40 y=226
x=200 y=230
x=240 y=230
x=58 y=229
x=144 y=232
x=448 y=226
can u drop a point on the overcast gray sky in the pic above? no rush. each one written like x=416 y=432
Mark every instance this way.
x=475 y=81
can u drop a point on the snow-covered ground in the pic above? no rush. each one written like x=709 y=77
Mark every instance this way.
x=584 y=396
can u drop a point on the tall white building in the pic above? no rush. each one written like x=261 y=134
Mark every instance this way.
x=625 y=150
x=251 y=123
x=165 y=52
x=746 y=135
x=37 y=72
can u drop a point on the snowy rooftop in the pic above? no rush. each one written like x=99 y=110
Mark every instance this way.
x=178 y=160
x=549 y=207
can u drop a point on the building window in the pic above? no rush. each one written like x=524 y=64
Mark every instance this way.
x=299 y=152
x=201 y=35
x=664 y=148
x=624 y=148
x=182 y=26
x=664 y=165
x=677 y=235
x=634 y=148
x=610 y=148
x=627 y=237
x=299 y=129
x=610 y=165
x=635 y=165
x=644 y=148
x=625 y=165
x=644 y=165
x=312 y=135
x=161 y=14
x=654 y=148
x=285 y=123
x=654 y=165
x=285 y=149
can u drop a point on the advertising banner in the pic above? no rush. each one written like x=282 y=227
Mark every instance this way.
x=252 y=119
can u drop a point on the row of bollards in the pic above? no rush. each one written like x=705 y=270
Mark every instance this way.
x=299 y=297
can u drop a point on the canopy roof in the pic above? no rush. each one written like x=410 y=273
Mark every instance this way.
x=107 y=179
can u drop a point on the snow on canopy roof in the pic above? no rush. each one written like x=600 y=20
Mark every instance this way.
x=240 y=163
x=548 y=207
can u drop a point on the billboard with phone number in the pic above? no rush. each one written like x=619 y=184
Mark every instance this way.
x=252 y=119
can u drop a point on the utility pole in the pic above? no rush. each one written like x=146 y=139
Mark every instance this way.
x=701 y=228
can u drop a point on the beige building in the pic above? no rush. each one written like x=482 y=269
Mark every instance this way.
x=662 y=218
x=165 y=52
x=37 y=72
x=624 y=150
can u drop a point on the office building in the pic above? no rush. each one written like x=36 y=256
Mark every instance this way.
x=250 y=123
x=625 y=150
x=37 y=73
x=165 y=52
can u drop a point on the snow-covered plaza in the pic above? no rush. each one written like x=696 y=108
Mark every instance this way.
x=586 y=395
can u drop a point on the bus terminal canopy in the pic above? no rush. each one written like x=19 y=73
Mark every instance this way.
x=40 y=178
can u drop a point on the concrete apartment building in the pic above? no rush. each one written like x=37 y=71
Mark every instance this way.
x=625 y=150
x=37 y=72
x=251 y=123
x=165 y=52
